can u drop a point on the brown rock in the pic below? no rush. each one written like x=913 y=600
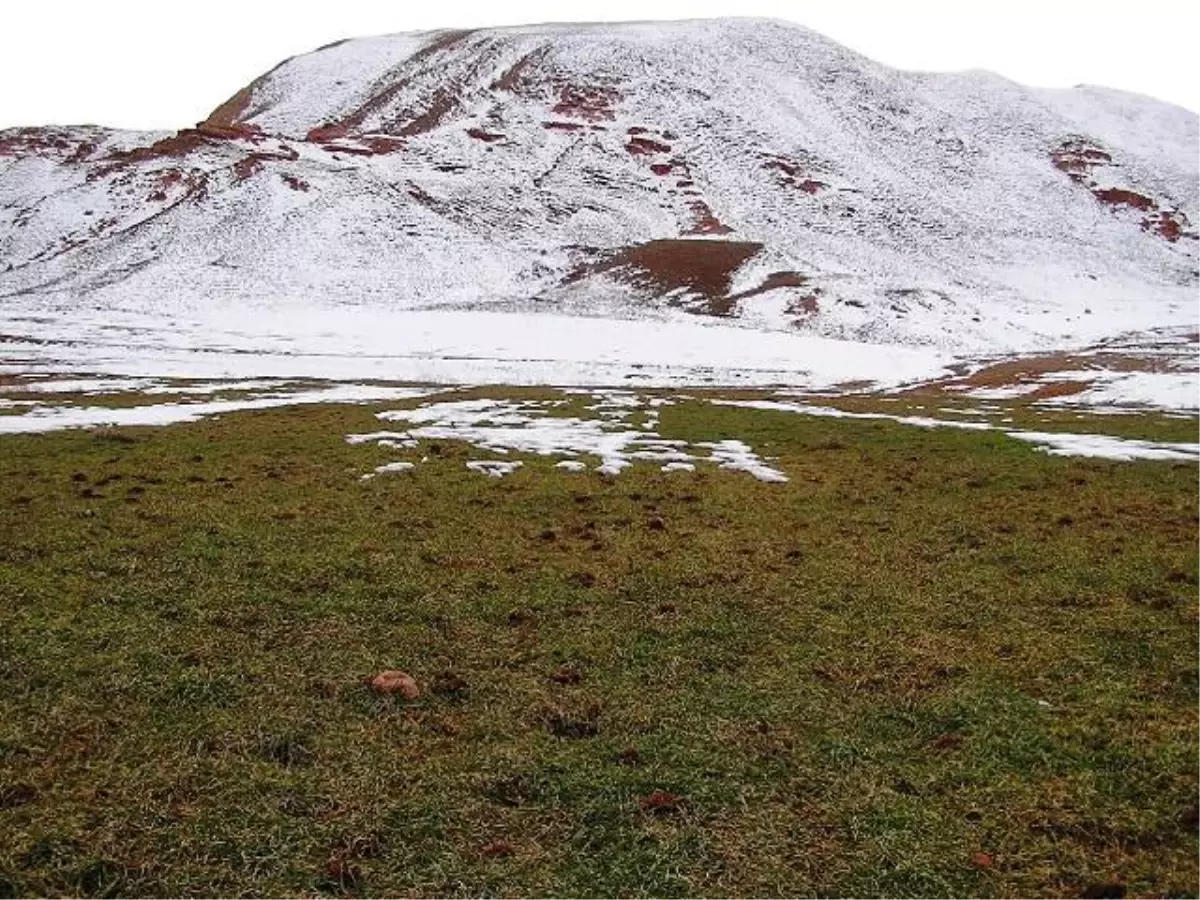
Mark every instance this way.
x=567 y=675
x=497 y=849
x=394 y=681
x=660 y=801
x=981 y=861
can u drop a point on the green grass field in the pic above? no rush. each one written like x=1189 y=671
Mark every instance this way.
x=932 y=663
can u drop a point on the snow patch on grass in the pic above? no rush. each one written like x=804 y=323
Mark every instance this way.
x=512 y=426
x=1058 y=444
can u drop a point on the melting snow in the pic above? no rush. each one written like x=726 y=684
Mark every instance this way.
x=1104 y=447
x=54 y=418
x=1096 y=446
x=503 y=426
x=494 y=468
x=388 y=468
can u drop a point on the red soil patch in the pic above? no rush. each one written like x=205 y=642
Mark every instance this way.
x=426 y=120
x=640 y=146
x=1078 y=158
x=45 y=142
x=370 y=144
x=1121 y=197
x=562 y=126
x=382 y=144
x=296 y=184
x=705 y=222
x=1169 y=224
x=486 y=136
x=330 y=131
x=180 y=144
x=592 y=104
x=699 y=267
x=247 y=167
x=432 y=117
x=514 y=77
x=792 y=173
x=662 y=168
x=352 y=149
x=805 y=305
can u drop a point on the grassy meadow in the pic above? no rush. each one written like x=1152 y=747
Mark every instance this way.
x=932 y=663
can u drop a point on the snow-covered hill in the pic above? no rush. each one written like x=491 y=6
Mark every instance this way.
x=723 y=196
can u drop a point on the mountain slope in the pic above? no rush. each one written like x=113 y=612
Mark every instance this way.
x=746 y=171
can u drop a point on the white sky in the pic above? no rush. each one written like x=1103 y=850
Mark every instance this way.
x=155 y=64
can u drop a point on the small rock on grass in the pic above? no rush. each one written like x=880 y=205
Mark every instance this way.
x=394 y=681
x=567 y=675
x=497 y=849
x=660 y=801
x=981 y=860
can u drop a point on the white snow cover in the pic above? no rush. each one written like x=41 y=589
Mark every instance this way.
x=452 y=225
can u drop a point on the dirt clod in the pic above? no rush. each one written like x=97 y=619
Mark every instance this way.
x=394 y=681
x=660 y=802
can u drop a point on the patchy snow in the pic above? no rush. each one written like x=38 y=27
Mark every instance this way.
x=1005 y=392
x=679 y=467
x=734 y=454
x=1103 y=447
x=1059 y=444
x=1166 y=390
x=92 y=386
x=494 y=468
x=831 y=412
x=572 y=465
x=53 y=418
x=390 y=468
x=526 y=426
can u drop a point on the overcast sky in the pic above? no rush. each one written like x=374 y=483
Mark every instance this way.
x=160 y=65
